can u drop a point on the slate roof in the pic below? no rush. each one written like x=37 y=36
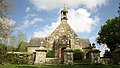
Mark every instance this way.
x=36 y=41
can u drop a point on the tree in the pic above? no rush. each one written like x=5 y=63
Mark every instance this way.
x=17 y=40
x=21 y=44
x=13 y=41
x=110 y=33
x=11 y=48
x=107 y=54
x=5 y=8
x=5 y=25
x=22 y=47
x=21 y=37
x=3 y=50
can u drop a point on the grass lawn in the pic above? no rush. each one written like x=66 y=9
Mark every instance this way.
x=77 y=64
x=60 y=66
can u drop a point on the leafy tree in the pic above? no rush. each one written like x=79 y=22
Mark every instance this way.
x=21 y=37
x=17 y=40
x=13 y=41
x=5 y=26
x=107 y=54
x=110 y=33
x=11 y=48
x=78 y=55
x=5 y=8
x=22 y=47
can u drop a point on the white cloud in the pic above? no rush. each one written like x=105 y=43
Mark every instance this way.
x=29 y=19
x=53 y=4
x=30 y=15
x=79 y=20
x=91 y=4
x=47 y=30
x=31 y=22
x=27 y=23
x=102 y=48
x=28 y=9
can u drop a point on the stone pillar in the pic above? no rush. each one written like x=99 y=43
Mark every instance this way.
x=95 y=54
x=68 y=56
x=40 y=56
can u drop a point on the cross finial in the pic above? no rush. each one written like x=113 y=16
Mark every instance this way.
x=64 y=7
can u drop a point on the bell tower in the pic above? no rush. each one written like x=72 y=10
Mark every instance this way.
x=64 y=13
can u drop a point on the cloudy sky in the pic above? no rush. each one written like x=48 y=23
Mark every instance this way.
x=38 y=18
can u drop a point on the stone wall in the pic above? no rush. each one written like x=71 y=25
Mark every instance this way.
x=52 y=61
x=29 y=58
x=105 y=60
x=20 y=58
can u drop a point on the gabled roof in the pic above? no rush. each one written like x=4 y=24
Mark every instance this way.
x=85 y=43
x=35 y=41
x=63 y=29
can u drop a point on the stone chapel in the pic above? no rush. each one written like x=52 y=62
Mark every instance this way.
x=63 y=36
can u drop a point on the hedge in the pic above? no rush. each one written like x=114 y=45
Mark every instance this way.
x=50 y=54
x=78 y=55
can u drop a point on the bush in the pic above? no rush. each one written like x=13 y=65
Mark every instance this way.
x=78 y=55
x=50 y=54
x=17 y=59
x=3 y=50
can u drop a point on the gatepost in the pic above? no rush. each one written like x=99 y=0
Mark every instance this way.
x=95 y=53
x=40 y=57
x=68 y=56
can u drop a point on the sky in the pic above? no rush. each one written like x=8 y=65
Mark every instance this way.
x=38 y=18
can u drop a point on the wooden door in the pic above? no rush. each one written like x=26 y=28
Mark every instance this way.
x=62 y=54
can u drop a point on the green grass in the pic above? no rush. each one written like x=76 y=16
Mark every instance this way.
x=82 y=62
x=60 y=66
x=77 y=64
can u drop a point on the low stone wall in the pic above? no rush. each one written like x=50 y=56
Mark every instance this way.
x=52 y=61
x=20 y=58
x=28 y=58
x=105 y=60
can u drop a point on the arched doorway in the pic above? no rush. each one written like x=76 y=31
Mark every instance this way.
x=88 y=56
